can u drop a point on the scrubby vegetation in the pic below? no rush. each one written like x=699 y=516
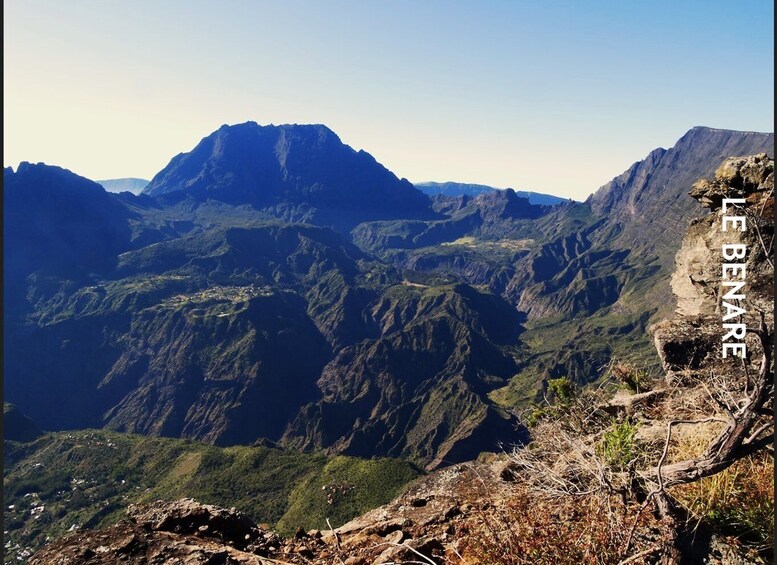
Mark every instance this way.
x=588 y=485
x=738 y=501
x=586 y=490
x=549 y=530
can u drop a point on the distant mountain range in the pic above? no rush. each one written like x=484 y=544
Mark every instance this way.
x=274 y=283
x=133 y=185
x=461 y=189
x=136 y=186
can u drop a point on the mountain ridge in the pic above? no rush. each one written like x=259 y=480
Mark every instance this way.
x=129 y=184
x=453 y=189
x=188 y=302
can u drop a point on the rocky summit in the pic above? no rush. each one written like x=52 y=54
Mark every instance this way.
x=295 y=172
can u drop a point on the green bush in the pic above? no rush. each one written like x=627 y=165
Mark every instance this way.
x=617 y=446
x=535 y=414
x=562 y=390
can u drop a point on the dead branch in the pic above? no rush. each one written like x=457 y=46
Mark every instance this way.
x=645 y=553
x=730 y=445
x=337 y=541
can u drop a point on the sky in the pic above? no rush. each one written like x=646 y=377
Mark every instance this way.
x=555 y=97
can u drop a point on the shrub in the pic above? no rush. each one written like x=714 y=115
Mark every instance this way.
x=534 y=415
x=617 y=446
x=562 y=391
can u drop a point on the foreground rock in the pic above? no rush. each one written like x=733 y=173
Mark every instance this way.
x=183 y=531
x=428 y=520
x=692 y=340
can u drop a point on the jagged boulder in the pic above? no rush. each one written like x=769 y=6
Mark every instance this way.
x=184 y=531
x=189 y=517
x=127 y=543
x=737 y=177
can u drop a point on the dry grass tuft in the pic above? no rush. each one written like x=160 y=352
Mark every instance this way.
x=738 y=501
x=690 y=440
x=558 y=530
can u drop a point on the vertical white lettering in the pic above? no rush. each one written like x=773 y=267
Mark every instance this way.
x=734 y=201
x=733 y=251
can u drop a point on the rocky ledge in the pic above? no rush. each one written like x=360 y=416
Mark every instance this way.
x=428 y=521
x=693 y=339
x=183 y=531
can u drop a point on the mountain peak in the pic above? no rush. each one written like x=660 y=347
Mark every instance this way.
x=252 y=125
x=653 y=191
x=301 y=172
x=717 y=136
x=708 y=129
x=59 y=178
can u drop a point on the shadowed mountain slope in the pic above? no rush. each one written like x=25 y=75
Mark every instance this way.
x=221 y=305
x=295 y=172
x=649 y=203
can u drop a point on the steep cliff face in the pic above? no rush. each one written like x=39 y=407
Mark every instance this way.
x=630 y=233
x=648 y=202
x=224 y=372
x=693 y=340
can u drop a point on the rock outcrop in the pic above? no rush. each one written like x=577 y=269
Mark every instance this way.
x=694 y=337
x=429 y=520
x=183 y=531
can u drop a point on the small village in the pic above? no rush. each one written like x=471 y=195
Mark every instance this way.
x=231 y=294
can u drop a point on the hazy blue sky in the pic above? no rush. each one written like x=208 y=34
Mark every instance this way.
x=556 y=97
